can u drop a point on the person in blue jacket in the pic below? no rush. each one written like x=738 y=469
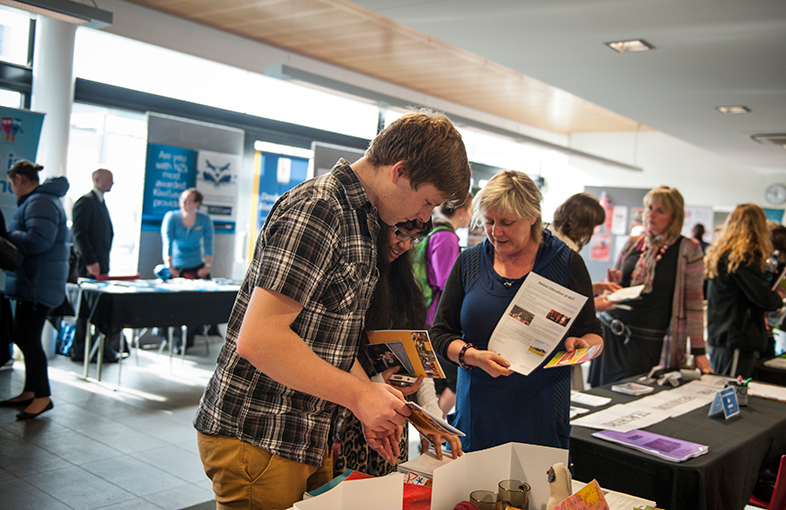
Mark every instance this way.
x=494 y=404
x=38 y=228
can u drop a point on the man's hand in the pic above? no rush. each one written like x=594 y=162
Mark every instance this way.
x=381 y=407
x=384 y=443
x=94 y=269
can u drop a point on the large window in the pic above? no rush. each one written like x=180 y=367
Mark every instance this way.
x=14 y=36
x=116 y=140
x=172 y=74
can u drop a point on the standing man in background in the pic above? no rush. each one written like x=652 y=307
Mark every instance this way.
x=92 y=227
x=92 y=233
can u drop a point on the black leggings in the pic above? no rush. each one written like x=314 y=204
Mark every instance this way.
x=29 y=321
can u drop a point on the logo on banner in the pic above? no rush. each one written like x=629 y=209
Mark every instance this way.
x=217 y=175
x=12 y=126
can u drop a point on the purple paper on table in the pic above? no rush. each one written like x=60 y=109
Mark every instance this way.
x=669 y=448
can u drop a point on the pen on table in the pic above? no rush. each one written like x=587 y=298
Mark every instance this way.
x=623 y=307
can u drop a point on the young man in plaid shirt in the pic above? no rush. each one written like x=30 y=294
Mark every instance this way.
x=289 y=359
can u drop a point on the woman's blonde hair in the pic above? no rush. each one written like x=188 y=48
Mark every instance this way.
x=671 y=200
x=510 y=192
x=744 y=237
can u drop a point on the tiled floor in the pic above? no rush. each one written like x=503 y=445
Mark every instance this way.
x=128 y=447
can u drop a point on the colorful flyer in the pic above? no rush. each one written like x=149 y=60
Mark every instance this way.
x=576 y=357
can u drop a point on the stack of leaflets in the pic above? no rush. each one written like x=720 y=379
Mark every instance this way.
x=632 y=388
x=674 y=450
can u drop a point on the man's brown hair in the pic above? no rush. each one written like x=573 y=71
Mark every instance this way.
x=431 y=149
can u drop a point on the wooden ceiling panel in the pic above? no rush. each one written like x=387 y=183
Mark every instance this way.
x=345 y=35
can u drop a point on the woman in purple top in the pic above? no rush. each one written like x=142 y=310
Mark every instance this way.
x=443 y=248
x=441 y=252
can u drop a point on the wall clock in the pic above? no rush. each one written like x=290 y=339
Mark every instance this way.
x=775 y=193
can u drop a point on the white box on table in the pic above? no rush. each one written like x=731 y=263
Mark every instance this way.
x=383 y=493
x=484 y=469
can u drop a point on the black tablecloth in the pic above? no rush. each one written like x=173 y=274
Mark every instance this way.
x=111 y=308
x=769 y=374
x=723 y=479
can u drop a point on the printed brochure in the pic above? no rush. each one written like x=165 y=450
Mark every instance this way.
x=674 y=450
x=536 y=320
x=412 y=350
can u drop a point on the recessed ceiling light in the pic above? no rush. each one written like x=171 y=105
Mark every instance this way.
x=733 y=109
x=630 y=46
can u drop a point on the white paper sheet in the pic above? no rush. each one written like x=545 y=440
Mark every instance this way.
x=534 y=323
x=587 y=399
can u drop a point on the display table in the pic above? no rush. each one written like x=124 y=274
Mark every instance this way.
x=772 y=375
x=114 y=306
x=723 y=479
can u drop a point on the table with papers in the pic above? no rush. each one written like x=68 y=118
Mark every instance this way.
x=722 y=479
x=113 y=306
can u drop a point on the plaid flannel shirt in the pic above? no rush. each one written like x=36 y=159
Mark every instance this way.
x=316 y=247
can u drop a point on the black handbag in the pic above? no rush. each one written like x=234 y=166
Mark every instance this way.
x=10 y=256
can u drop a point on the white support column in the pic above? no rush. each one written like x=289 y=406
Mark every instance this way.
x=53 y=90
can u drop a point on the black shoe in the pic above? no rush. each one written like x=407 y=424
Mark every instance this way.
x=16 y=403
x=29 y=416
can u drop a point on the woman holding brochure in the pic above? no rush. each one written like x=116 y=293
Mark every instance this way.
x=494 y=404
x=738 y=293
x=397 y=303
x=669 y=310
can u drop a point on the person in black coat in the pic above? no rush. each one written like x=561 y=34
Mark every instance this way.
x=92 y=228
x=738 y=293
x=92 y=235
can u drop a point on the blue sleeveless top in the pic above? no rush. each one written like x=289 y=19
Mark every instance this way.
x=531 y=409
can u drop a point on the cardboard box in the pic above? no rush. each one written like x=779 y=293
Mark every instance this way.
x=486 y=468
x=452 y=482
x=383 y=493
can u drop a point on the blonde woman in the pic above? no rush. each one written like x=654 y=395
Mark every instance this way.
x=670 y=310
x=738 y=293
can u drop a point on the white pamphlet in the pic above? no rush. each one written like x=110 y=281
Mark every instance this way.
x=535 y=321
x=625 y=293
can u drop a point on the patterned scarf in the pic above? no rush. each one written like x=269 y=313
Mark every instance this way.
x=652 y=249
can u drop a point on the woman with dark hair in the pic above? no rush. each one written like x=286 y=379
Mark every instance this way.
x=39 y=230
x=670 y=310
x=396 y=304
x=574 y=222
x=738 y=292
x=433 y=261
